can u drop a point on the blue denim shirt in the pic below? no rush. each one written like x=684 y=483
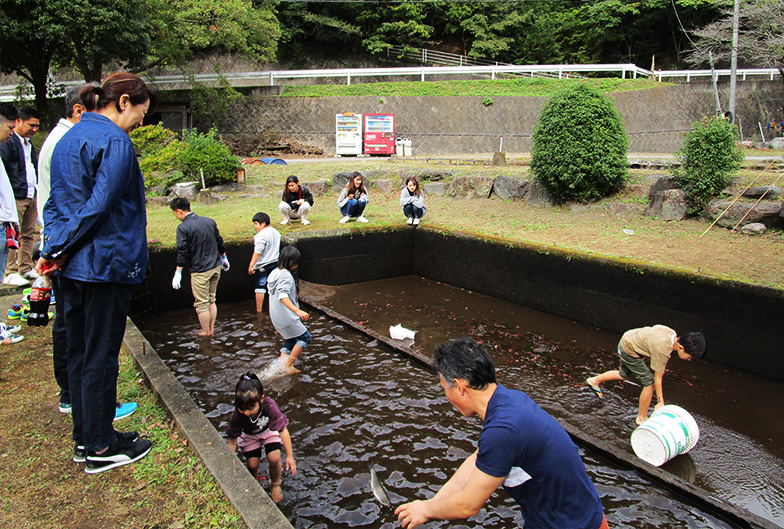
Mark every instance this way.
x=96 y=210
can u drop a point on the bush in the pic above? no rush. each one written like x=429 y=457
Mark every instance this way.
x=151 y=138
x=205 y=152
x=579 y=146
x=709 y=157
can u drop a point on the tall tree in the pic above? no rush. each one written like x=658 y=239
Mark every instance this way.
x=31 y=31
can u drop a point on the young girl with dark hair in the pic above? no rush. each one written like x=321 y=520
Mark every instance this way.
x=296 y=201
x=284 y=308
x=412 y=200
x=257 y=422
x=353 y=199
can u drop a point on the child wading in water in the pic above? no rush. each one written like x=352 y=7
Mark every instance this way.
x=412 y=200
x=284 y=309
x=266 y=247
x=255 y=422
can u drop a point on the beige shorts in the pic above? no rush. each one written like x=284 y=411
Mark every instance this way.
x=204 y=286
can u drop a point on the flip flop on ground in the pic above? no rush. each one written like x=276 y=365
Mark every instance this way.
x=595 y=390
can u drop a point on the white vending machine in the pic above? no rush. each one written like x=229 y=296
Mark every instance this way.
x=348 y=134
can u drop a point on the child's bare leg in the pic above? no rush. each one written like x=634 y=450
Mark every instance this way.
x=646 y=395
x=253 y=466
x=295 y=352
x=275 y=470
x=609 y=376
x=259 y=301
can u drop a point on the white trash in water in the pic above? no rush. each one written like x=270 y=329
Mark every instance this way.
x=400 y=333
x=668 y=432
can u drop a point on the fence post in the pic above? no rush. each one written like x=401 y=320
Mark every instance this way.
x=348 y=77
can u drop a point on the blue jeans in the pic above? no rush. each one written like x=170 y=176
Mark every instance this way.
x=60 y=342
x=353 y=208
x=303 y=340
x=95 y=315
x=413 y=212
x=3 y=250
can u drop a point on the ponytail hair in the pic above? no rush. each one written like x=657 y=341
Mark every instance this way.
x=96 y=98
x=248 y=391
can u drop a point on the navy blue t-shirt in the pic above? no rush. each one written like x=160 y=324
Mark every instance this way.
x=544 y=472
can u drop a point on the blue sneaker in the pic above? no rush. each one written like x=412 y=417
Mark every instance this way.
x=65 y=407
x=124 y=410
x=15 y=312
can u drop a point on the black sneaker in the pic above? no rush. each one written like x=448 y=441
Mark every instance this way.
x=80 y=452
x=121 y=452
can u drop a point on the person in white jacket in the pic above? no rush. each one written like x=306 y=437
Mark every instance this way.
x=8 y=213
x=412 y=200
x=284 y=309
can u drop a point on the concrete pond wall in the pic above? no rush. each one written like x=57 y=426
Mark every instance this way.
x=741 y=322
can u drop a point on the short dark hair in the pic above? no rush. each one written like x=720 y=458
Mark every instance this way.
x=289 y=256
x=261 y=218
x=180 y=203
x=693 y=343
x=248 y=391
x=465 y=359
x=8 y=112
x=72 y=98
x=27 y=112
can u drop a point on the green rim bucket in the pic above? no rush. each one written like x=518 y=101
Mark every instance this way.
x=668 y=432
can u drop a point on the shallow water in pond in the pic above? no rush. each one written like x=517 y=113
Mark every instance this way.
x=356 y=402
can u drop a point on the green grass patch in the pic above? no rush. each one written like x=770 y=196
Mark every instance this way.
x=486 y=88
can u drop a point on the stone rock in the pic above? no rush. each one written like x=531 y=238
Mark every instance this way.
x=662 y=184
x=777 y=143
x=765 y=212
x=469 y=187
x=232 y=187
x=157 y=201
x=383 y=186
x=579 y=208
x=185 y=191
x=747 y=144
x=437 y=189
x=157 y=191
x=769 y=192
x=538 y=196
x=755 y=228
x=499 y=159
x=668 y=205
x=318 y=188
x=510 y=188
x=427 y=175
x=622 y=209
x=208 y=197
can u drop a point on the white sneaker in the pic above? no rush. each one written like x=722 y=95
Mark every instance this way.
x=345 y=219
x=285 y=221
x=31 y=275
x=416 y=222
x=409 y=220
x=16 y=280
x=305 y=222
x=362 y=219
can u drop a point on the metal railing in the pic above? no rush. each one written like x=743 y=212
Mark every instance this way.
x=423 y=73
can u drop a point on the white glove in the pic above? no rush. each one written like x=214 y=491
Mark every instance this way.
x=177 y=280
x=225 y=263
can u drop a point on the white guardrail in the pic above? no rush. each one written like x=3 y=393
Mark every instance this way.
x=8 y=92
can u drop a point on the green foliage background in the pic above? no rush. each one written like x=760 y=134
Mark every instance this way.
x=579 y=146
x=709 y=157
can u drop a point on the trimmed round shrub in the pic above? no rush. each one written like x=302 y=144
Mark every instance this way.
x=579 y=146
x=709 y=157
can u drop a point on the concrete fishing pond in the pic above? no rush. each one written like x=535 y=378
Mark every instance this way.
x=357 y=402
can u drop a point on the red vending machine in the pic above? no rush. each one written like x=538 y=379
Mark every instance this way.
x=379 y=133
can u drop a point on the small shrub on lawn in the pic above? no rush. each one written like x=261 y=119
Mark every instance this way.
x=709 y=157
x=579 y=146
x=205 y=152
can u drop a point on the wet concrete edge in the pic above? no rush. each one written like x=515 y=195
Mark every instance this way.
x=241 y=489
x=719 y=508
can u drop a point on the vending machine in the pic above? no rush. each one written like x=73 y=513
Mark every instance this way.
x=348 y=134
x=379 y=133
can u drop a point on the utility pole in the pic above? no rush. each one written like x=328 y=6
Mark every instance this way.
x=734 y=61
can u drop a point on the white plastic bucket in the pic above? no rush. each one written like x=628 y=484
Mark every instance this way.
x=398 y=332
x=668 y=432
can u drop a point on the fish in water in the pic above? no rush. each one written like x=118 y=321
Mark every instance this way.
x=377 y=487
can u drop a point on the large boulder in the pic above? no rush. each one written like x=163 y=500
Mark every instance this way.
x=622 y=209
x=668 y=205
x=538 y=196
x=765 y=212
x=469 y=187
x=510 y=188
x=661 y=185
x=777 y=143
x=769 y=192
x=339 y=180
x=317 y=188
x=187 y=190
x=755 y=228
x=383 y=186
x=434 y=188
x=428 y=175
x=231 y=187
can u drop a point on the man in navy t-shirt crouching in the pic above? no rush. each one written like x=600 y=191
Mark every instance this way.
x=521 y=447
